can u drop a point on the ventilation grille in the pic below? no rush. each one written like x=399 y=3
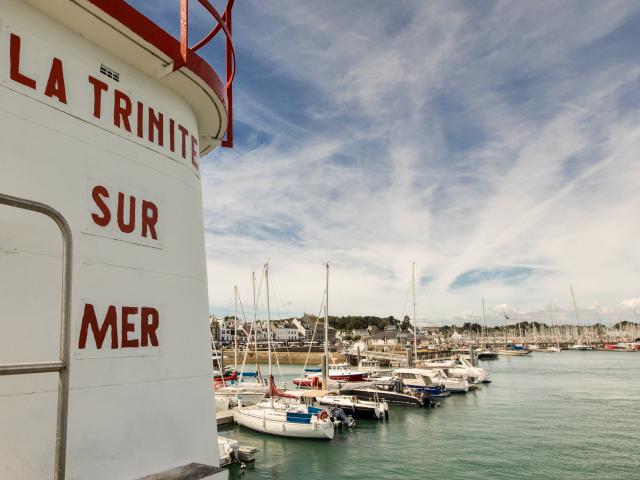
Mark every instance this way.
x=112 y=74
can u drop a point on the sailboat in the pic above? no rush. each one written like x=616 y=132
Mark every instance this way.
x=578 y=346
x=277 y=417
x=553 y=348
x=247 y=387
x=485 y=353
x=510 y=349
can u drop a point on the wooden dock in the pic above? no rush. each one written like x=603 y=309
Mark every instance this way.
x=225 y=417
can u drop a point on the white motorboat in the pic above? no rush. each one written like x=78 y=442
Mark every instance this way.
x=420 y=380
x=551 y=349
x=514 y=352
x=581 y=347
x=451 y=383
x=459 y=367
x=230 y=451
x=372 y=367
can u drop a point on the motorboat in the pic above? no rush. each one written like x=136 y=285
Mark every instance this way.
x=345 y=373
x=342 y=372
x=551 y=349
x=358 y=408
x=581 y=346
x=421 y=380
x=391 y=394
x=459 y=367
x=453 y=384
x=230 y=451
x=514 y=351
x=487 y=354
x=371 y=367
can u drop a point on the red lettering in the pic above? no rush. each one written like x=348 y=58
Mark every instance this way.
x=194 y=152
x=98 y=88
x=97 y=193
x=149 y=219
x=156 y=124
x=121 y=113
x=128 y=327
x=89 y=319
x=55 y=83
x=139 y=118
x=184 y=133
x=126 y=227
x=14 y=70
x=172 y=135
x=149 y=323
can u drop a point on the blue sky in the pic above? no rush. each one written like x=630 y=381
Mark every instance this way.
x=496 y=143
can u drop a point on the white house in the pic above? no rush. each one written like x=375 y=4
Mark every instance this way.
x=284 y=331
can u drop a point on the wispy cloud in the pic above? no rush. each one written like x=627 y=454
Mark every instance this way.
x=479 y=139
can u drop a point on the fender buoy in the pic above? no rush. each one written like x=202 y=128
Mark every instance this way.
x=323 y=415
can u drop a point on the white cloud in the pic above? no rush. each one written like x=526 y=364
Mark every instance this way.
x=367 y=171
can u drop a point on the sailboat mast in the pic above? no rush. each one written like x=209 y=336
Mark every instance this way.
x=266 y=278
x=415 y=322
x=575 y=308
x=255 y=326
x=504 y=322
x=553 y=326
x=235 y=330
x=325 y=357
x=484 y=326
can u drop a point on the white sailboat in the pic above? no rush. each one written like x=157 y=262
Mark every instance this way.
x=248 y=388
x=578 y=345
x=282 y=418
x=553 y=348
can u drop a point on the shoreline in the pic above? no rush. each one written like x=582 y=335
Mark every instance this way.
x=284 y=358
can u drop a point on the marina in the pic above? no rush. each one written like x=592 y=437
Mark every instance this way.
x=534 y=405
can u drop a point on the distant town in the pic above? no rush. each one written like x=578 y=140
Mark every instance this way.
x=381 y=332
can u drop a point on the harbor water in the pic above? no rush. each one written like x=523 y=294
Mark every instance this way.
x=569 y=415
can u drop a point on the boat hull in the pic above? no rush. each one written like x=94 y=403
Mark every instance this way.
x=514 y=353
x=357 y=411
x=389 y=397
x=261 y=421
x=488 y=356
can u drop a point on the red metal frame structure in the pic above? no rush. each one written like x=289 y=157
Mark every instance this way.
x=224 y=23
x=182 y=54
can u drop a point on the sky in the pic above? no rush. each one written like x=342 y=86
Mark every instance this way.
x=496 y=144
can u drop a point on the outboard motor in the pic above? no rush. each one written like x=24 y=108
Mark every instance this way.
x=430 y=401
x=340 y=418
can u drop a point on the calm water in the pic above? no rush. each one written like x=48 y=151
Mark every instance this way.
x=567 y=415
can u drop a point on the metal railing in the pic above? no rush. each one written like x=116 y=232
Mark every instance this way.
x=61 y=366
x=224 y=23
